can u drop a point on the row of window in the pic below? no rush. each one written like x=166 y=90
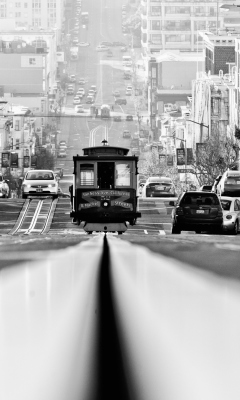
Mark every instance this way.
x=106 y=176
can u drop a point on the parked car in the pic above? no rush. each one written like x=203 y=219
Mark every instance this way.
x=231 y=214
x=123 y=49
x=4 y=187
x=126 y=134
x=229 y=184
x=197 y=211
x=120 y=101
x=82 y=81
x=159 y=186
x=39 y=183
x=206 y=188
x=129 y=118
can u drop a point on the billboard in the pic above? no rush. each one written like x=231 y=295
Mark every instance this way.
x=170 y=160
x=26 y=162
x=5 y=160
x=14 y=160
x=181 y=156
x=200 y=148
x=189 y=156
x=162 y=159
x=33 y=161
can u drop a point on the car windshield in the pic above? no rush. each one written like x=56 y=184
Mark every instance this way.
x=200 y=199
x=231 y=180
x=41 y=175
x=226 y=204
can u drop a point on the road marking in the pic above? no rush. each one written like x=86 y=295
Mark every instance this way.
x=162 y=232
x=146 y=232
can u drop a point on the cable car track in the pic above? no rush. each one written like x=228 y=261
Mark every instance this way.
x=35 y=217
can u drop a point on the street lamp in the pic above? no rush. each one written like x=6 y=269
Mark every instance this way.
x=201 y=126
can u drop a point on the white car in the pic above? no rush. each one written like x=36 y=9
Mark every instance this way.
x=91 y=93
x=4 y=188
x=83 y=44
x=94 y=88
x=81 y=89
x=72 y=78
x=79 y=108
x=40 y=183
x=101 y=47
x=76 y=100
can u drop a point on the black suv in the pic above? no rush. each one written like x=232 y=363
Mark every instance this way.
x=197 y=211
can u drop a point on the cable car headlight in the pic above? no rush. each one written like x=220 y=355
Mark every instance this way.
x=105 y=203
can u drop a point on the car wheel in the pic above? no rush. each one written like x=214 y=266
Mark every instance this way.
x=175 y=229
x=234 y=231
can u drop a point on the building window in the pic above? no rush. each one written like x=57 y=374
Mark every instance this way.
x=17 y=144
x=25 y=5
x=17 y=15
x=18 y=5
x=17 y=125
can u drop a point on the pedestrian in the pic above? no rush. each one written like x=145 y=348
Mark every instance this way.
x=13 y=188
x=112 y=107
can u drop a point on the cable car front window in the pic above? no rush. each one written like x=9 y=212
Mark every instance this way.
x=122 y=174
x=87 y=175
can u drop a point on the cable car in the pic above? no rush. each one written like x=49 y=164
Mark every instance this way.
x=105 y=111
x=104 y=191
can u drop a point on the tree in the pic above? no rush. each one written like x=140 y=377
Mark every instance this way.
x=151 y=166
x=217 y=155
x=45 y=160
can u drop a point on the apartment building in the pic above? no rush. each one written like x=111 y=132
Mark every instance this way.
x=175 y=24
x=46 y=14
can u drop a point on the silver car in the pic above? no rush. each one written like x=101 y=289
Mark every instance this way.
x=231 y=214
x=40 y=183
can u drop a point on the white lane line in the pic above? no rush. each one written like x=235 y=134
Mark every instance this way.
x=162 y=232
x=146 y=232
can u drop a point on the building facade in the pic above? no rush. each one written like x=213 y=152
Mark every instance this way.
x=27 y=14
x=173 y=25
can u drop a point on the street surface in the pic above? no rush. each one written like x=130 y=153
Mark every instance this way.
x=177 y=305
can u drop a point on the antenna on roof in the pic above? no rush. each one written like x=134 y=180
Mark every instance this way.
x=104 y=142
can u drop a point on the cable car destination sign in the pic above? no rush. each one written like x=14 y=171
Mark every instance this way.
x=105 y=195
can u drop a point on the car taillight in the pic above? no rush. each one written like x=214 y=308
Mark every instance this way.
x=179 y=211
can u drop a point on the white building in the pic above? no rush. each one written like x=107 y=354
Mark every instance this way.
x=45 y=14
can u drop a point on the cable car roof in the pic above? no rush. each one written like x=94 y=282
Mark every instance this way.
x=105 y=150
